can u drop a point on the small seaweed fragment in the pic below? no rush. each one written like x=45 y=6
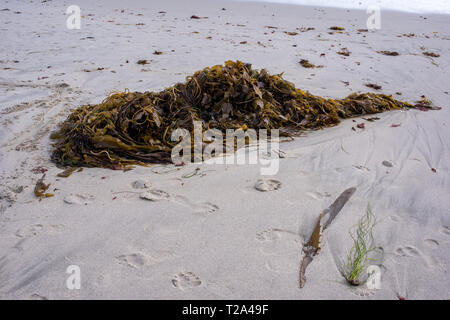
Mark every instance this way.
x=336 y=28
x=306 y=64
x=431 y=54
x=41 y=187
x=306 y=29
x=143 y=61
x=291 y=33
x=68 y=172
x=388 y=53
x=197 y=17
x=425 y=104
x=157 y=53
x=363 y=244
x=373 y=86
x=344 y=52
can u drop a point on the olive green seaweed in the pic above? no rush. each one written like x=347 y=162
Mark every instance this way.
x=134 y=128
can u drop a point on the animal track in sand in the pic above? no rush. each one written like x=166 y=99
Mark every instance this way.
x=204 y=208
x=134 y=260
x=139 y=259
x=411 y=251
x=267 y=185
x=186 y=280
x=30 y=231
x=363 y=292
x=78 y=198
x=445 y=230
x=141 y=184
x=431 y=243
x=281 y=250
x=318 y=195
x=155 y=195
x=268 y=235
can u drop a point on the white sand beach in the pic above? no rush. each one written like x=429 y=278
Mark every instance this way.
x=213 y=235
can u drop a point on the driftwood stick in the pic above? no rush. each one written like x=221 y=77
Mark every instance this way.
x=312 y=247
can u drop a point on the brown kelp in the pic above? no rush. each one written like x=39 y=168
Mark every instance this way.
x=40 y=189
x=135 y=128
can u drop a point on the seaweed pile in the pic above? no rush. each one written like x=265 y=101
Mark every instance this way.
x=130 y=128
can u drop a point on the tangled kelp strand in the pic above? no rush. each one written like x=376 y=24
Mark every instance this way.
x=41 y=188
x=130 y=128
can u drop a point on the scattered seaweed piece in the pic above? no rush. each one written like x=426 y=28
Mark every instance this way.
x=41 y=187
x=134 y=128
x=39 y=170
x=306 y=64
x=197 y=17
x=68 y=172
x=425 y=104
x=336 y=28
x=306 y=29
x=291 y=33
x=373 y=86
x=142 y=62
x=431 y=54
x=389 y=53
x=344 y=52
x=371 y=119
x=157 y=53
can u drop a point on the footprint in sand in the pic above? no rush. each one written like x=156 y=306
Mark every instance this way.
x=30 y=231
x=268 y=235
x=411 y=251
x=78 y=198
x=186 y=280
x=445 y=230
x=155 y=195
x=407 y=251
x=134 y=260
x=205 y=208
x=141 y=184
x=431 y=243
x=318 y=195
x=138 y=259
x=267 y=185
x=363 y=292
x=281 y=250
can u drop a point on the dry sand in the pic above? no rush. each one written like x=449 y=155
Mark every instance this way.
x=213 y=235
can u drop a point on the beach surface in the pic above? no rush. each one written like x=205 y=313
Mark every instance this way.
x=212 y=235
